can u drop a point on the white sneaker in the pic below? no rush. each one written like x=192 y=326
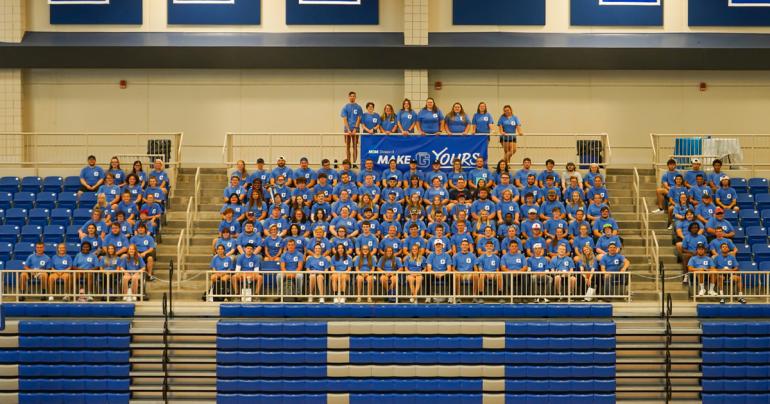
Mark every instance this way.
x=209 y=299
x=671 y=226
x=411 y=300
x=342 y=300
x=701 y=292
x=358 y=300
x=545 y=300
x=427 y=300
x=721 y=293
x=368 y=299
x=321 y=300
x=537 y=300
x=50 y=298
x=310 y=300
x=126 y=298
x=336 y=300
x=657 y=211
x=712 y=292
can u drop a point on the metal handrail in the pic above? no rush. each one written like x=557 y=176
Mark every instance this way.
x=165 y=359
x=196 y=196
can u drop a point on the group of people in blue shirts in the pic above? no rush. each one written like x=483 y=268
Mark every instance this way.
x=362 y=227
x=119 y=236
x=429 y=120
x=696 y=202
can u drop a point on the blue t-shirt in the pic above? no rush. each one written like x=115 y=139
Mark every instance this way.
x=364 y=264
x=317 y=264
x=342 y=264
x=389 y=123
x=370 y=121
x=119 y=241
x=457 y=124
x=291 y=260
x=143 y=243
x=110 y=264
x=85 y=261
x=704 y=262
x=716 y=244
x=514 y=262
x=613 y=263
x=488 y=263
x=221 y=263
x=352 y=112
x=727 y=195
x=509 y=123
x=430 y=122
x=92 y=175
x=439 y=262
x=415 y=265
x=477 y=174
x=407 y=119
x=538 y=264
x=562 y=264
x=728 y=262
x=482 y=122
x=389 y=265
x=273 y=245
x=464 y=262
x=61 y=263
x=133 y=265
x=245 y=263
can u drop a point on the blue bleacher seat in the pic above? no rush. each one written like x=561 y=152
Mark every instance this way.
x=744 y=252
x=81 y=215
x=740 y=236
x=747 y=266
x=765 y=215
x=67 y=200
x=2 y=216
x=31 y=184
x=39 y=216
x=87 y=200
x=22 y=250
x=50 y=249
x=72 y=235
x=16 y=216
x=24 y=200
x=54 y=233
x=764 y=266
x=9 y=233
x=758 y=186
x=756 y=235
x=61 y=216
x=741 y=185
x=71 y=184
x=749 y=218
x=14 y=264
x=6 y=250
x=732 y=217
x=31 y=233
x=746 y=202
x=761 y=252
x=46 y=200
x=9 y=184
x=762 y=201
x=73 y=248
x=6 y=200
x=53 y=184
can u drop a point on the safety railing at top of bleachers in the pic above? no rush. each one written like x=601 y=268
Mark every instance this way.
x=72 y=285
x=49 y=153
x=710 y=286
x=743 y=155
x=414 y=287
x=580 y=148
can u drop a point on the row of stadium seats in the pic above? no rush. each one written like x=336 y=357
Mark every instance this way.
x=44 y=216
x=743 y=311
x=74 y=398
x=736 y=398
x=416 y=343
x=94 y=371
x=80 y=327
x=748 y=217
x=37 y=184
x=736 y=354
x=83 y=385
x=543 y=398
x=415 y=311
x=398 y=385
x=73 y=342
x=9 y=253
x=52 y=233
x=63 y=357
x=48 y=200
x=90 y=310
x=520 y=372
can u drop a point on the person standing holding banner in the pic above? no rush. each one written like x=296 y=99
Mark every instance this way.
x=510 y=127
x=482 y=120
x=351 y=117
x=430 y=120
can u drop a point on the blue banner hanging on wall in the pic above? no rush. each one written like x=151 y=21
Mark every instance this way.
x=498 y=12
x=128 y=12
x=214 y=12
x=729 y=13
x=646 y=13
x=423 y=149
x=332 y=12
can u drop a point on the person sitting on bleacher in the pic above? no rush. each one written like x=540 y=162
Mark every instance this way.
x=688 y=245
x=727 y=196
x=85 y=260
x=594 y=209
x=698 y=190
x=588 y=266
x=598 y=188
x=606 y=239
x=128 y=207
x=683 y=225
x=230 y=223
x=93 y=238
x=719 y=239
x=136 y=169
x=144 y=219
x=674 y=193
x=115 y=238
x=91 y=176
x=719 y=221
x=249 y=236
x=61 y=263
x=680 y=210
x=134 y=267
x=700 y=263
x=146 y=246
x=341 y=265
x=260 y=173
x=237 y=209
x=100 y=227
x=236 y=189
x=612 y=263
x=330 y=174
x=222 y=264
x=110 y=190
x=125 y=227
x=153 y=209
x=725 y=260
x=118 y=174
x=160 y=175
x=706 y=209
x=563 y=266
x=240 y=172
x=716 y=175
x=539 y=284
x=690 y=177
x=154 y=190
x=225 y=239
x=134 y=187
x=667 y=181
x=279 y=187
x=38 y=262
x=245 y=265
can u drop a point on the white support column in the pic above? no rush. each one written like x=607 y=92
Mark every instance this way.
x=416 y=34
x=12 y=27
x=416 y=86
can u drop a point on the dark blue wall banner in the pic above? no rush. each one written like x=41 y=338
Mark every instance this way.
x=498 y=12
x=332 y=12
x=214 y=12
x=127 y=12
x=645 y=13
x=423 y=149
x=729 y=13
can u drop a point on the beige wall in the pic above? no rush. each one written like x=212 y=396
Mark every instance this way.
x=273 y=20
x=628 y=105
x=203 y=104
x=207 y=104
